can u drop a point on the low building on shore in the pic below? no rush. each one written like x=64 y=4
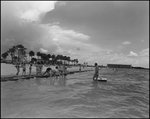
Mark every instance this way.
x=119 y=66
x=102 y=66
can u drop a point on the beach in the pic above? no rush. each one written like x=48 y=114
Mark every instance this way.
x=64 y=59
x=125 y=94
x=10 y=70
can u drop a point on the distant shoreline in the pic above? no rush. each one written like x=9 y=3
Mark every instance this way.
x=78 y=65
x=10 y=70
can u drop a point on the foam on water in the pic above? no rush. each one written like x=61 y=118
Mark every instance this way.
x=125 y=94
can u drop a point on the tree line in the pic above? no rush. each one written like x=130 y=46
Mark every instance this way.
x=18 y=54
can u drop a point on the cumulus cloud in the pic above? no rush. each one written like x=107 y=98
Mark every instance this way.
x=61 y=3
x=133 y=54
x=144 y=52
x=126 y=43
x=67 y=34
x=19 y=28
x=31 y=10
x=43 y=50
x=118 y=58
x=20 y=24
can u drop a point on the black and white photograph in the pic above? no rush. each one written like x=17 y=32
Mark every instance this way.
x=74 y=59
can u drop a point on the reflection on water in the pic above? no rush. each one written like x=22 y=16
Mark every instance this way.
x=126 y=94
x=51 y=81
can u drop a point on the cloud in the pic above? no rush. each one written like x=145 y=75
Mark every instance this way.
x=118 y=58
x=61 y=3
x=144 y=52
x=67 y=34
x=31 y=10
x=20 y=29
x=119 y=47
x=78 y=48
x=126 y=43
x=133 y=54
x=43 y=50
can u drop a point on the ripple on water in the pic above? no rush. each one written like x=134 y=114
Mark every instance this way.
x=125 y=94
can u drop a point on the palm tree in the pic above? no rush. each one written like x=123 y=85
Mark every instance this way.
x=4 y=55
x=53 y=59
x=20 y=46
x=21 y=52
x=33 y=60
x=71 y=62
x=44 y=57
x=49 y=56
x=77 y=61
x=11 y=51
x=31 y=54
x=15 y=58
x=60 y=58
x=38 y=54
x=68 y=59
x=64 y=58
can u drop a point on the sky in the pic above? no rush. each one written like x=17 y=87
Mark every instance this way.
x=100 y=32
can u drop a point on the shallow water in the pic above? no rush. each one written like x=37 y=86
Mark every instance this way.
x=125 y=94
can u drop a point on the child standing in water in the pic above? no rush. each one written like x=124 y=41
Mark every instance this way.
x=18 y=68
x=30 y=68
x=57 y=72
x=96 y=72
x=38 y=68
x=80 y=68
x=23 y=68
x=41 y=67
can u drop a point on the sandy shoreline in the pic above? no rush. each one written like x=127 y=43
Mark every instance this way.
x=9 y=70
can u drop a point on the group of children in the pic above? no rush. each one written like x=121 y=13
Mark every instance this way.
x=39 y=68
x=59 y=71
x=23 y=66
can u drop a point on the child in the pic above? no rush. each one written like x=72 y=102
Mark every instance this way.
x=41 y=68
x=23 y=69
x=47 y=71
x=60 y=69
x=65 y=72
x=38 y=68
x=80 y=68
x=30 y=68
x=58 y=72
x=96 y=72
x=18 y=68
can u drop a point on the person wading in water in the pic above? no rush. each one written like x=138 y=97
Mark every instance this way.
x=96 y=72
x=18 y=68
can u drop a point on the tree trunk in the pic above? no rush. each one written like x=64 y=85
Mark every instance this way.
x=12 y=58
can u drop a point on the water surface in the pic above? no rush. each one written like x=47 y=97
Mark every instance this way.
x=125 y=94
